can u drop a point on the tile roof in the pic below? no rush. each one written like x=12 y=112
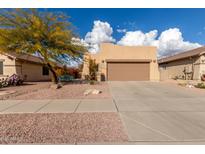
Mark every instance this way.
x=29 y=58
x=190 y=53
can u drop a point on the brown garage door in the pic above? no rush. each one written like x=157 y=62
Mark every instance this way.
x=128 y=71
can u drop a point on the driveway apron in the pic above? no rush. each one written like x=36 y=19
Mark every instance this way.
x=157 y=112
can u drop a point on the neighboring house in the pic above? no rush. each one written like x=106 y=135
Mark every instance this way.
x=187 y=65
x=125 y=63
x=29 y=67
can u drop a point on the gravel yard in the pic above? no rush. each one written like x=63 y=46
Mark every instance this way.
x=28 y=87
x=192 y=82
x=68 y=91
x=61 y=128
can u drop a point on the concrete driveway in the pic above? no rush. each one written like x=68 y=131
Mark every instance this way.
x=153 y=112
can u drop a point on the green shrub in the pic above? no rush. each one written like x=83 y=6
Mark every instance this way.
x=200 y=85
x=176 y=78
x=182 y=84
x=92 y=82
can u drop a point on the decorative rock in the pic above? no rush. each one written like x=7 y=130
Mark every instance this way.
x=95 y=91
x=59 y=85
x=189 y=86
x=87 y=92
x=56 y=86
x=92 y=91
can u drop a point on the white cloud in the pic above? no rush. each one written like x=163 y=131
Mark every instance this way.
x=101 y=32
x=135 y=38
x=169 y=42
x=121 y=30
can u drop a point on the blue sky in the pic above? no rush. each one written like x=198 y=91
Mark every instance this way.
x=190 y=22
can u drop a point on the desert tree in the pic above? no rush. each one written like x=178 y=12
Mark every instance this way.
x=46 y=34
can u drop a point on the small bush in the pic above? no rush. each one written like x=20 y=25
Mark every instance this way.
x=92 y=82
x=176 y=78
x=93 y=69
x=200 y=85
x=87 y=77
x=182 y=84
x=13 y=80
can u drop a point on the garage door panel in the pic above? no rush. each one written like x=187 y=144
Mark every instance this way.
x=122 y=71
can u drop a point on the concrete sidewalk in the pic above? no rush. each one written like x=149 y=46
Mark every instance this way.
x=57 y=106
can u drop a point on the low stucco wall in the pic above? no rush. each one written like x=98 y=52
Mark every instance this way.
x=111 y=51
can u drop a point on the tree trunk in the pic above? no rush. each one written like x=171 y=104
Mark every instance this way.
x=55 y=77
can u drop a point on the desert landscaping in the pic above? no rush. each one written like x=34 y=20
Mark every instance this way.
x=54 y=90
x=44 y=90
x=61 y=128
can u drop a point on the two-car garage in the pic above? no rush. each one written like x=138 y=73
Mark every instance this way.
x=124 y=63
x=128 y=70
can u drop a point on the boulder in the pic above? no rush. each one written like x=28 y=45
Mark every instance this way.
x=92 y=91
x=95 y=91
x=56 y=86
x=87 y=92
x=189 y=86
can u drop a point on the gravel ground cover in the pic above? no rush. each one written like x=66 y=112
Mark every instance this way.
x=176 y=84
x=61 y=128
x=69 y=91
x=28 y=87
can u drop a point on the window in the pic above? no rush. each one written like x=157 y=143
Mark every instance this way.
x=1 y=67
x=45 y=70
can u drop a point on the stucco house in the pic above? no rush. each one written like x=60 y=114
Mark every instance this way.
x=29 y=67
x=187 y=65
x=125 y=63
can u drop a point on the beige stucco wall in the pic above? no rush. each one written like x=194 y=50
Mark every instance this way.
x=9 y=65
x=201 y=65
x=32 y=70
x=111 y=51
x=174 y=69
